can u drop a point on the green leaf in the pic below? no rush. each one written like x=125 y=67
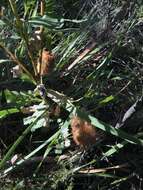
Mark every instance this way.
x=51 y=23
x=52 y=138
x=40 y=123
x=4 y=60
x=116 y=132
x=2 y=23
x=107 y=99
x=6 y=112
x=109 y=129
x=17 y=142
x=30 y=119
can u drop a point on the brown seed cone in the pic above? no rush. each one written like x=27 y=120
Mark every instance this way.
x=47 y=63
x=84 y=134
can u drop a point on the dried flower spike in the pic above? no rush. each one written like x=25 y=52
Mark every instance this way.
x=84 y=134
x=47 y=63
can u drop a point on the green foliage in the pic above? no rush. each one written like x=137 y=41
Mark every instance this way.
x=97 y=74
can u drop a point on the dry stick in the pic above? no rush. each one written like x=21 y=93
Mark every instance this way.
x=42 y=9
x=99 y=170
x=14 y=59
x=82 y=55
x=20 y=28
x=123 y=88
x=42 y=6
x=52 y=160
x=31 y=57
x=36 y=159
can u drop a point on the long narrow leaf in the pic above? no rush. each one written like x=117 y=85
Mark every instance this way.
x=17 y=142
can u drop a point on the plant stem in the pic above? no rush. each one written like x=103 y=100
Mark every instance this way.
x=12 y=56
x=22 y=33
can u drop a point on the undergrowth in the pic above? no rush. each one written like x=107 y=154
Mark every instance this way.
x=96 y=74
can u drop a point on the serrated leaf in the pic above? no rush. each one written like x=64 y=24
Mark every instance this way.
x=40 y=123
x=29 y=120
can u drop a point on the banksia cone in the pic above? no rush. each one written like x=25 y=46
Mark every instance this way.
x=47 y=63
x=84 y=134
